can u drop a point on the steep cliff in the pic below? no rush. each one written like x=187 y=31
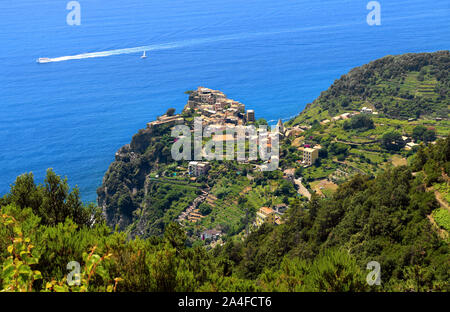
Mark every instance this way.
x=124 y=184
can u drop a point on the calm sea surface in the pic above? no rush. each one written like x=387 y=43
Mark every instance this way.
x=274 y=56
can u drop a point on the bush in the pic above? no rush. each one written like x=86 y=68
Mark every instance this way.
x=421 y=133
x=170 y=112
x=205 y=209
x=392 y=141
x=360 y=122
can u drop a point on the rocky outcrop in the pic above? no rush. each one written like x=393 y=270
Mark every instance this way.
x=123 y=187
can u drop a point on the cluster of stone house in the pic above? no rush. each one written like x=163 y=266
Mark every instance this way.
x=205 y=96
x=166 y=120
x=192 y=213
x=217 y=109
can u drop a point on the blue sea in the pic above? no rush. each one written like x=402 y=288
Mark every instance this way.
x=274 y=56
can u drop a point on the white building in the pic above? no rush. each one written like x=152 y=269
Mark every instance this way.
x=366 y=110
x=197 y=168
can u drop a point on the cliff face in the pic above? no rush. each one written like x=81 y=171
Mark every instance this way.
x=123 y=188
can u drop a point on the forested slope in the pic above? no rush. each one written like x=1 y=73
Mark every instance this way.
x=324 y=245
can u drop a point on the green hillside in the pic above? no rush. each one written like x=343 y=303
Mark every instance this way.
x=324 y=245
x=400 y=87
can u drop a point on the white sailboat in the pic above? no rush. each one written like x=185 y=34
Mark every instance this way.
x=143 y=56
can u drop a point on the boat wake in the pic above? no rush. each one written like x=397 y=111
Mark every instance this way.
x=182 y=44
x=200 y=41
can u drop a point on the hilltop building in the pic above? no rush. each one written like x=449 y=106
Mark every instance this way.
x=166 y=120
x=216 y=108
x=310 y=155
x=265 y=214
x=197 y=168
x=366 y=110
x=268 y=215
x=211 y=234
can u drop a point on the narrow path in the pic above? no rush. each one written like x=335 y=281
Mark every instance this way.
x=441 y=200
x=301 y=189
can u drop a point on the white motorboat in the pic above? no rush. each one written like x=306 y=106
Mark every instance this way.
x=42 y=60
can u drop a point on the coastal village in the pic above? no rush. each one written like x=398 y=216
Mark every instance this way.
x=221 y=113
x=214 y=107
